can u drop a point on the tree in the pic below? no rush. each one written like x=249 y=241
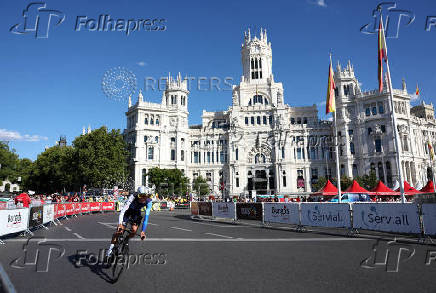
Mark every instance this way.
x=9 y=163
x=100 y=158
x=168 y=181
x=368 y=181
x=319 y=184
x=200 y=186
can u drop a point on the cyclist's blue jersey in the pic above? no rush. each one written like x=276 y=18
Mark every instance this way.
x=133 y=208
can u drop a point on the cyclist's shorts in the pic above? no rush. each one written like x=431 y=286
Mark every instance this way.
x=133 y=217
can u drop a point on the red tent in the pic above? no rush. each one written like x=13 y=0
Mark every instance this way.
x=429 y=187
x=356 y=188
x=409 y=190
x=328 y=190
x=382 y=189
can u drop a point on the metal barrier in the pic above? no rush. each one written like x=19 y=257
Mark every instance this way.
x=404 y=218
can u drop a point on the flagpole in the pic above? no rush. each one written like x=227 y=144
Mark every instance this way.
x=394 y=122
x=338 y=173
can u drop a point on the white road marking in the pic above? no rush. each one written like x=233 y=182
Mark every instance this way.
x=153 y=224
x=220 y=226
x=78 y=236
x=178 y=228
x=114 y=225
x=213 y=234
x=68 y=229
x=338 y=239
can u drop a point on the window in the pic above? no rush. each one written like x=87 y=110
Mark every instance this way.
x=208 y=157
x=313 y=153
x=246 y=120
x=196 y=157
x=292 y=120
x=284 y=179
x=374 y=110
x=270 y=119
x=145 y=138
x=298 y=120
x=367 y=111
x=222 y=159
x=252 y=120
x=381 y=175
x=299 y=153
x=378 y=145
x=314 y=175
x=182 y=155
x=369 y=130
x=146 y=120
x=156 y=139
x=150 y=153
x=381 y=108
x=304 y=120
x=350 y=132
x=258 y=119
x=237 y=181
x=173 y=155
x=151 y=121
x=237 y=154
x=208 y=177
x=352 y=148
x=283 y=152
x=383 y=128
x=264 y=119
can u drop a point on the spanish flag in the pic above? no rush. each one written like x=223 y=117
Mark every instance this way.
x=430 y=150
x=382 y=53
x=330 y=104
x=417 y=90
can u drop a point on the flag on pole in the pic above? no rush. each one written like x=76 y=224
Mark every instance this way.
x=382 y=53
x=430 y=150
x=330 y=104
x=417 y=90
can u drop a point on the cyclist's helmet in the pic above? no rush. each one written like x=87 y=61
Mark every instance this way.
x=144 y=191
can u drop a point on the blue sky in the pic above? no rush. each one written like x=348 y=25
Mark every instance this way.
x=52 y=86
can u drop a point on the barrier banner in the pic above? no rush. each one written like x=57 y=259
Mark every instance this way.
x=108 y=206
x=95 y=206
x=333 y=215
x=163 y=205
x=13 y=221
x=249 y=211
x=223 y=210
x=60 y=210
x=69 y=209
x=389 y=217
x=48 y=213
x=205 y=208
x=3 y=205
x=194 y=208
x=429 y=218
x=77 y=208
x=286 y=213
x=86 y=207
x=35 y=218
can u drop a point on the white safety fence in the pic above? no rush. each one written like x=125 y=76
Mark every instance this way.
x=385 y=217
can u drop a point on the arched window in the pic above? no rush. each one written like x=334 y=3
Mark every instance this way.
x=381 y=174
x=389 y=173
x=146 y=120
x=151 y=120
x=157 y=120
x=156 y=139
x=259 y=159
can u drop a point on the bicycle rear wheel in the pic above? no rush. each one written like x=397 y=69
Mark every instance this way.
x=121 y=254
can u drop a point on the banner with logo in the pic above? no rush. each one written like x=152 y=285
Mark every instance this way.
x=389 y=217
x=223 y=210
x=48 y=213
x=77 y=208
x=108 y=206
x=163 y=205
x=429 y=218
x=95 y=206
x=86 y=207
x=205 y=208
x=286 y=213
x=35 y=218
x=249 y=211
x=13 y=221
x=69 y=209
x=60 y=210
x=194 y=208
x=334 y=215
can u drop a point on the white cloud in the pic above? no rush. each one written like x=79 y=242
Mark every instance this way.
x=142 y=63
x=320 y=104
x=414 y=98
x=321 y=3
x=10 y=135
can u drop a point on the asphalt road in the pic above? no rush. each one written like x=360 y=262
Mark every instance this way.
x=182 y=255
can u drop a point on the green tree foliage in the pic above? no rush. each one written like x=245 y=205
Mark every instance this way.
x=368 y=181
x=319 y=184
x=200 y=186
x=9 y=163
x=168 y=181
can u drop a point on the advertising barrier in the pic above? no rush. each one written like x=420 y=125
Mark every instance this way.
x=13 y=221
x=163 y=205
x=48 y=213
x=107 y=206
x=224 y=210
x=388 y=217
x=194 y=208
x=95 y=206
x=286 y=213
x=249 y=211
x=86 y=207
x=333 y=215
x=429 y=218
x=69 y=209
x=35 y=218
x=3 y=205
x=60 y=210
x=77 y=208
x=205 y=208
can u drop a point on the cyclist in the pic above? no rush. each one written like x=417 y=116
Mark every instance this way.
x=132 y=213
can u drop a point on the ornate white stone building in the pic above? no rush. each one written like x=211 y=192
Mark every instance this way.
x=260 y=145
